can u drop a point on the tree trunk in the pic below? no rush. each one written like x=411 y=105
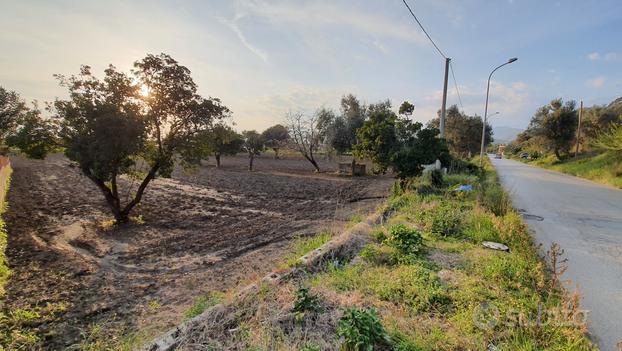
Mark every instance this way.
x=317 y=168
x=141 y=189
x=251 y=157
x=353 y=165
x=276 y=153
x=557 y=154
x=111 y=199
x=217 y=156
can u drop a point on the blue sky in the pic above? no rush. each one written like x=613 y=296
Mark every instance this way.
x=264 y=58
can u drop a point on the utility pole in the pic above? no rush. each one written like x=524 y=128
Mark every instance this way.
x=444 y=105
x=579 y=129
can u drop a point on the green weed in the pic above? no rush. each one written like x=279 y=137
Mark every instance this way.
x=362 y=330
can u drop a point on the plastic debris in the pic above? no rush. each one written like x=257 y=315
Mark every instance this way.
x=467 y=188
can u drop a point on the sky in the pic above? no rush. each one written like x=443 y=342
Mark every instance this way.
x=265 y=58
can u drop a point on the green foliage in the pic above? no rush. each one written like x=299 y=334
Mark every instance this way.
x=275 y=137
x=445 y=220
x=220 y=140
x=459 y=166
x=305 y=302
x=460 y=179
x=555 y=125
x=406 y=240
x=610 y=139
x=106 y=124
x=304 y=245
x=362 y=330
x=411 y=284
x=463 y=133
x=422 y=147
x=394 y=142
x=34 y=135
x=604 y=168
x=406 y=108
x=202 y=303
x=311 y=347
x=378 y=139
x=11 y=111
x=493 y=198
x=253 y=142
x=479 y=227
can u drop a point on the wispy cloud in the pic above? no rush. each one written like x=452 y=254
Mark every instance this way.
x=610 y=56
x=596 y=83
x=321 y=15
x=233 y=25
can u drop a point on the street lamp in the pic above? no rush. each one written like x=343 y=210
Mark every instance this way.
x=481 y=153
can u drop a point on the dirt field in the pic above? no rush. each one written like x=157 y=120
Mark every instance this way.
x=210 y=230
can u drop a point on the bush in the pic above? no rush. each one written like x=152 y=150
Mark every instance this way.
x=495 y=199
x=380 y=254
x=305 y=302
x=362 y=330
x=445 y=221
x=457 y=165
x=407 y=241
x=434 y=178
x=480 y=227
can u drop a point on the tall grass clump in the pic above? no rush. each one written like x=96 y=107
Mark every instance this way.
x=304 y=245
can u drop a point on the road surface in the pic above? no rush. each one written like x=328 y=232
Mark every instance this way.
x=585 y=219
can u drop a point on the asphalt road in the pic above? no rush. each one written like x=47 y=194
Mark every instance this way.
x=585 y=219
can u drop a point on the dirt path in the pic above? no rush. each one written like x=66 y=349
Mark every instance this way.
x=209 y=230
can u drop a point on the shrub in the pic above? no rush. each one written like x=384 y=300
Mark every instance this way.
x=461 y=166
x=406 y=240
x=495 y=199
x=305 y=302
x=362 y=330
x=380 y=254
x=445 y=221
x=480 y=227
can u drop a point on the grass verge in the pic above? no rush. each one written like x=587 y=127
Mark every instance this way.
x=605 y=168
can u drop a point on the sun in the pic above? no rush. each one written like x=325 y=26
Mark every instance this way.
x=144 y=90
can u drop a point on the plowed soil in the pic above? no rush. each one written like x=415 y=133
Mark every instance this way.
x=204 y=231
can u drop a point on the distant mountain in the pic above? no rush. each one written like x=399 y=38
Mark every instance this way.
x=505 y=134
x=615 y=106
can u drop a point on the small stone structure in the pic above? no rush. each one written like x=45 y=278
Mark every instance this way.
x=347 y=168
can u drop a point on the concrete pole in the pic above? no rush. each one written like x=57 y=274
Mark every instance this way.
x=444 y=105
x=579 y=129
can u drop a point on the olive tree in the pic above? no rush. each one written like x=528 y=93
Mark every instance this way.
x=106 y=125
x=253 y=145
x=556 y=124
x=275 y=138
x=221 y=140
x=11 y=109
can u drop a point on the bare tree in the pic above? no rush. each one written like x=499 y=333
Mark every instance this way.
x=305 y=135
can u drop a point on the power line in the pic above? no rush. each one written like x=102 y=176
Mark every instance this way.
x=451 y=68
x=423 y=29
